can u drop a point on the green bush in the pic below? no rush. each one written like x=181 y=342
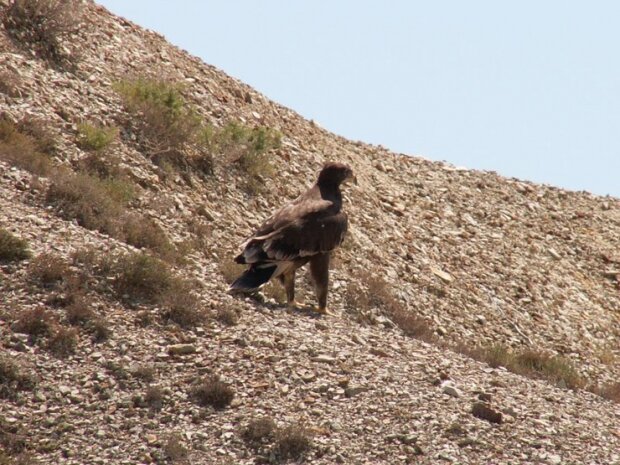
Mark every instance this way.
x=246 y=147
x=95 y=138
x=168 y=127
x=12 y=248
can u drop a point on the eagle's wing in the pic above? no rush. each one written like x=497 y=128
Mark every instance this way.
x=298 y=230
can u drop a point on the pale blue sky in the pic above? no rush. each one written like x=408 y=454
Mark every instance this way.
x=527 y=88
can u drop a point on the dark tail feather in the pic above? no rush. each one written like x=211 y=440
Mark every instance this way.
x=253 y=278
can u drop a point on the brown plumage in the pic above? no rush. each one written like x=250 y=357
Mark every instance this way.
x=306 y=230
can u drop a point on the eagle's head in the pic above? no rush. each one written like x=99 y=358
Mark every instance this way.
x=335 y=173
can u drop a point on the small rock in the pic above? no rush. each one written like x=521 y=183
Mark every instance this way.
x=484 y=412
x=450 y=389
x=354 y=390
x=445 y=277
x=322 y=358
x=182 y=349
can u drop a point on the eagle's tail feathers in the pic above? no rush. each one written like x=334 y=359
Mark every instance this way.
x=254 y=277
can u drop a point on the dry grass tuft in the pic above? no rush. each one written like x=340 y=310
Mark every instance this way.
x=36 y=322
x=368 y=295
x=610 y=391
x=259 y=431
x=292 y=443
x=12 y=248
x=227 y=316
x=211 y=391
x=230 y=270
x=48 y=270
x=13 y=378
x=63 y=341
x=42 y=25
x=10 y=83
x=154 y=397
x=531 y=363
x=22 y=150
x=174 y=450
x=143 y=278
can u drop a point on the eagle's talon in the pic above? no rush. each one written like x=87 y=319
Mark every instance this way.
x=293 y=304
x=322 y=310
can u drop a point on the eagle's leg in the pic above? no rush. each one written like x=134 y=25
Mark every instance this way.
x=319 y=269
x=288 y=281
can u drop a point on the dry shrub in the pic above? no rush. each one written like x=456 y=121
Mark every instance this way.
x=95 y=204
x=227 y=316
x=528 y=362
x=79 y=312
x=36 y=322
x=610 y=391
x=174 y=450
x=63 y=341
x=181 y=306
x=367 y=294
x=21 y=150
x=167 y=127
x=13 y=378
x=211 y=391
x=12 y=248
x=48 y=270
x=144 y=372
x=100 y=329
x=143 y=278
x=230 y=270
x=245 y=147
x=10 y=83
x=103 y=165
x=13 y=441
x=94 y=137
x=259 y=431
x=145 y=233
x=45 y=140
x=154 y=397
x=42 y=25
x=292 y=443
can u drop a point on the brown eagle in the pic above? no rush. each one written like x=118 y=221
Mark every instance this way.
x=306 y=230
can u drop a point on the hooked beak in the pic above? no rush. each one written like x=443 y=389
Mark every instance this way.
x=351 y=179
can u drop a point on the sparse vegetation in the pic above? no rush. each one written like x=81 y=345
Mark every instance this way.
x=22 y=150
x=168 y=127
x=211 y=391
x=154 y=397
x=42 y=25
x=247 y=148
x=39 y=131
x=36 y=322
x=609 y=391
x=48 y=270
x=10 y=83
x=230 y=270
x=181 y=306
x=94 y=203
x=368 y=295
x=292 y=443
x=143 y=278
x=174 y=450
x=227 y=316
x=530 y=363
x=95 y=138
x=63 y=341
x=12 y=248
x=259 y=430
x=13 y=379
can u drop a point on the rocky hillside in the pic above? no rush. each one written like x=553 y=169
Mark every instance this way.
x=476 y=319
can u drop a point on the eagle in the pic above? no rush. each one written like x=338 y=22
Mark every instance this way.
x=306 y=230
